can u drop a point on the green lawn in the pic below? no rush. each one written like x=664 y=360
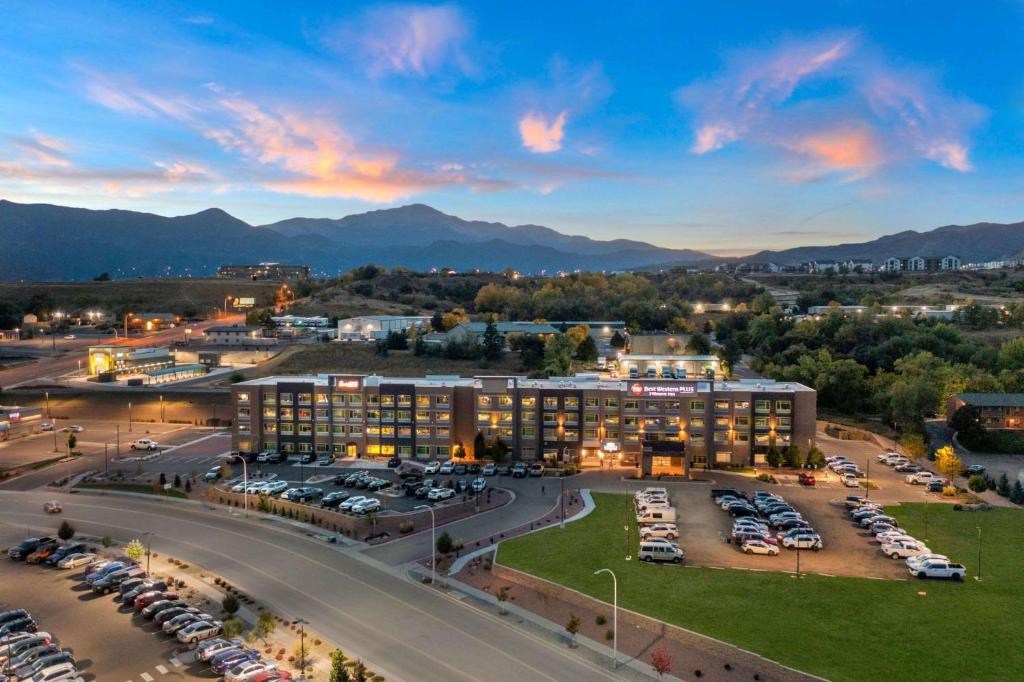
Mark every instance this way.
x=839 y=628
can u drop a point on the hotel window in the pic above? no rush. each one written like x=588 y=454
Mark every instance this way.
x=760 y=422
x=528 y=401
x=721 y=422
x=742 y=404
x=784 y=423
x=404 y=416
x=321 y=447
x=337 y=448
x=269 y=427
x=696 y=406
x=652 y=423
x=611 y=402
x=372 y=430
x=742 y=421
x=571 y=435
x=591 y=402
x=590 y=418
x=528 y=431
x=551 y=403
x=373 y=415
x=355 y=430
x=762 y=439
x=423 y=401
x=672 y=406
x=404 y=401
x=505 y=401
x=630 y=422
x=572 y=403
x=321 y=414
x=721 y=436
x=287 y=447
x=355 y=415
x=422 y=416
x=652 y=406
x=322 y=428
x=783 y=406
x=305 y=413
x=631 y=405
x=723 y=457
x=443 y=450
x=387 y=401
x=483 y=417
x=697 y=440
x=405 y=432
x=338 y=429
x=422 y=450
x=387 y=431
x=549 y=434
x=441 y=400
x=721 y=406
x=338 y=399
x=305 y=398
x=760 y=458
x=529 y=416
x=742 y=437
x=321 y=398
x=387 y=415
x=269 y=398
x=422 y=432
x=287 y=413
x=590 y=434
x=269 y=412
x=443 y=417
x=442 y=432
x=305 y=429
x=506 y=418
x=373 y=399
x=631 y=437
x=505 y=433
x=611 y=435
x=550 y=418
x=484 y=401
x=305 y=447
x=762 y=405
x=286 y=398
x=572 y=418
x=355 y=400
x=611 y=419
x=243 y=397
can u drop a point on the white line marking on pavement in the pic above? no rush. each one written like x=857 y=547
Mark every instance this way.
x=161 y=669
x=146 y=677
x=176 y=663
x=193 y=442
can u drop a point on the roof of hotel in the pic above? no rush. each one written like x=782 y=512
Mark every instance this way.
x=992 y=399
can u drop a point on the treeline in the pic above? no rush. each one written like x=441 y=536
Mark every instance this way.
x=898 y=370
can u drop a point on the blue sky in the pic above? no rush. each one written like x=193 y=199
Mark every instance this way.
x=726 y=127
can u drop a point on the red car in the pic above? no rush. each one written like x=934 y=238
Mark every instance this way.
x=272 y=676
x=806 y=479
x=144 y=600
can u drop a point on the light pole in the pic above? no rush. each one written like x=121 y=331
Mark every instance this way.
x=867 y=481
x=227 y=298
x=926 y=516
x=129 y=417
x=978 y=577
x=433 y=544
x=615 y=615
x=106 y=469
x=161 y=409
x=126 y=316
x=302 y=623
x=49 y=415
x=561 y=498
x=149 y=543
x=245 y=481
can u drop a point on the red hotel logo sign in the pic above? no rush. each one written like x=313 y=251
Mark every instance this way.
x=636 y=389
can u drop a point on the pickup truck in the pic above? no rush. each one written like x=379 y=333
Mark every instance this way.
x=920 y=477
x=940 y=569
x=145 y=444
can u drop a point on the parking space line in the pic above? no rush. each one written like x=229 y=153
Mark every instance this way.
x=176 y=663
x=161 y=669
x=146 y=677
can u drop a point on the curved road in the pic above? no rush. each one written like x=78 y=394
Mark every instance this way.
x=405 y=630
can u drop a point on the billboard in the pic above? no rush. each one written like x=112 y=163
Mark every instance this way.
x=244 y=302
x=668 y=390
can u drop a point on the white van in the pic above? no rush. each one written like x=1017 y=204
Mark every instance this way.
x=660 y=551
x=647 y=492
x=656 y=515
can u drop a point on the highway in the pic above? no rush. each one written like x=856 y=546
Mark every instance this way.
x=405 y=630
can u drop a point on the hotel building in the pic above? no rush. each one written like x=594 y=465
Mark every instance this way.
x=664 y=425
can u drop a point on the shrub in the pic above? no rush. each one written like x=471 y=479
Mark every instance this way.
x=1003 y=487
x=1017 y=494
x=949 y=491
x=609 y=635
x=978 y=483
x=230 y=604
x=600 y=620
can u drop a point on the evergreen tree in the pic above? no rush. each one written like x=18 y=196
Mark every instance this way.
x=587 y=350
x=480 y=446
x=493 y=343
x=774 y=457
x=1017 y=494
x=617 y=340
x=815 y=458
x=794 y=458
x=1003 y=487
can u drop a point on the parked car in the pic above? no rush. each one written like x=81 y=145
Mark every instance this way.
x=855 y=501
x=925 y=557
x=42 y=552
x=936 y=485
x=974 y=470
x=877 y=518
x=144 y=444
x=181 y=621
x=659 y=530
x=307 y=457
x=447 y=467
x=438 y=494
x=212 y=647
x=200 y=630
x=519 y=470
x=146 y=598
x=333 y=499
x=245 y=672
x=651 y=551
x=128 y=598
x=73 y=428
x=46 y=426
x=213 y=474
x=806 y=479
x=351 y=502
x=368 y=505
x=26 y=547
x=811 y=541
x=759 y=546
x=478 y=485
x=920 y=477
x=44 y=662
x=173 y=612
x=940 y=569
x=75 y=560
x=275 y=487
x=904 y=549
x=23 y=624
x=460 y=470
x=432 y=468
x=909 y=468
x=227 y=661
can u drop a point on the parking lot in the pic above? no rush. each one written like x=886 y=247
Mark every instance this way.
x=99 y=635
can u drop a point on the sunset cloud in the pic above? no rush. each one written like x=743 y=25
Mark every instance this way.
x=541 y=136
x=416 y=40
x=783 y=97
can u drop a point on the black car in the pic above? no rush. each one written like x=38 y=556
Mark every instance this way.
x=974 y=469
x=474 y=468
x=740 y=511
x=791 y=524
x=339 y=479
x=394 y=462
x=249 y=457
x=719 y=493
x=63 y=552
x=23 y=624
x=332 y=500
x=503 y=470
x=423 y=490
x=326 y=459
x=407 y=474
x=26 y=547
x=13 y=614
x=307 y=457
x=461 y=485
x=936 y=486
x=378 y=484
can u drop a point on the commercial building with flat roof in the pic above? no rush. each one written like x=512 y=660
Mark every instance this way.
x=705 y=423
x=379 y=326
x=995 y=410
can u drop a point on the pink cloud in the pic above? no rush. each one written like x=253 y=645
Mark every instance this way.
x=842 y=149
x=541 y=136
x=417 y=40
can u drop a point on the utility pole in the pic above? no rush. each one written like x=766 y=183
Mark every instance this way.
x=561 y=498
x=117 y=431
x=106 y=469
x=49 y=415
x=129 y=417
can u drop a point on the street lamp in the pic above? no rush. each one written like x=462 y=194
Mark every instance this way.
x=49 y=415
x=615 y=615
x=978 y=577
x=227 y=298
x=161 y=409
x=245 y=480
x=433 y=544
x=129 y=417
x=149 y=543
x=302 y=623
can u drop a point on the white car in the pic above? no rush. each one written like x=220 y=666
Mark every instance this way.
x=210 y=648
x=181 y=621
x=751 y=526
x=46 y=426
x=351 y=502
x=759 y=547
x=440 y=494
x=921 y=477
x=195 y=632
x=920 y=559
x=940 y=569
x=904 y=549
x=802 y=541
x=275 y=487
x=76 y=560
x=432 y=468
x=371 y=504
x=892 y=536
x=145 y=444
x=447 y=467
x=62 y=672
x=660 y=530
x=287 y=493
x=247 y=671
x=75 y=428
x=850 y=481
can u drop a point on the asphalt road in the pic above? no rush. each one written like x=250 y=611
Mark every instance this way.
x=405 y=630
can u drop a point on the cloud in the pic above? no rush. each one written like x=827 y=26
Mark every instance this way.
x=199 y=20
x=790 y=97
x=41 y=149
x=415 y=40
x=127 y=97
x=541 y=136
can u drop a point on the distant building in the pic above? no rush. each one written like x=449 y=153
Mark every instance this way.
x=152 y=322
x=894 y=264
x=379 y=326
x=108 y=361
x=261 y=271
x=670 y=367
x=17 y=421
x=858 y=265
x=234 y=335
x=475 y=330
x=995 y=410
x=950 y=263
x=600 y=330
x=819 y=266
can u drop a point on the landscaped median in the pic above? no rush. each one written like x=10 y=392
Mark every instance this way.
x=839 y=628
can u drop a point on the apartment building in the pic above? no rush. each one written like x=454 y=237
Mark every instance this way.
x=995 y=410
x=661 y=425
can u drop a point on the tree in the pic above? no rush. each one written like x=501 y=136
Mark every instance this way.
x=530 y=348
x=617 y=340
x=188 y=485
x=948 y=464
x=661 y=660
x=265 y=625
x=1017 y=494
x=339 y=672
x=300 y=650
x=163 y=479
x=135 y=550
x=359 y=672
x=480 y=449
x=774 y=457
x=729 y=354
x=444 y=543
x=1003 y=487
x=794 y=458
x=913 y=445
x=572 y=627
x=66 y=531
x=453 y=317
x=177 y=481
x=587 y=350
x=230 y=604
x=699 y=344
x=558 y=351
x=72 y=441
x=502 y=598
x=499 y=449
x=233 y=627
x=815 y=458
x=978 y=483
x=967 y=423
x=493 y=343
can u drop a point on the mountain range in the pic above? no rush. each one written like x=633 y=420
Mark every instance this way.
x=47 y=242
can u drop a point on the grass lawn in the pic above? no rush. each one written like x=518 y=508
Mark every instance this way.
x=135 y=488
x=839 y=628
